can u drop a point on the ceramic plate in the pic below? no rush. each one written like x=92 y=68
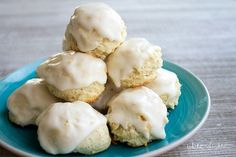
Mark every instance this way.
x=184 y=120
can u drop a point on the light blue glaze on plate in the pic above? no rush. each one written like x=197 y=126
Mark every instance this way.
x=184 y=120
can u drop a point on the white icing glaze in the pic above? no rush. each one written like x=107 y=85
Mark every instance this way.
x=28 y=101
x=93 y=22
x=131 y=54
x=133 y=102
x=109 y=92
x=165 y=84
x=72 y=70
x=63 y=126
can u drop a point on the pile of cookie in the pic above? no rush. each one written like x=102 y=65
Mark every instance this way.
x=102 y=87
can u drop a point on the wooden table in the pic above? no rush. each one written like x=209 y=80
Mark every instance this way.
x=200 y=35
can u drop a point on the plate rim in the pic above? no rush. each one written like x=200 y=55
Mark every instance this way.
x=193 y=131
x=152 y=153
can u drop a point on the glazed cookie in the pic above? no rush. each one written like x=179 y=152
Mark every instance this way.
x=134 y=63
x=95 y=29
x=167 y=86
x=28 y=101
x=137 y=116
x=74 y=76
x=72 y=127
x=101 y=103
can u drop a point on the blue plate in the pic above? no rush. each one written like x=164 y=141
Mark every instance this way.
x=184 y=120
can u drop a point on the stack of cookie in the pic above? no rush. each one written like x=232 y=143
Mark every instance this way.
x=99 y=79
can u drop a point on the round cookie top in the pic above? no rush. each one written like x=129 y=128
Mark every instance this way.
x=72 y=70
x=63 y=126
x=129 y=55
x=166 y=84
x=28 y=101
x=94 y=22
x=142 y=108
